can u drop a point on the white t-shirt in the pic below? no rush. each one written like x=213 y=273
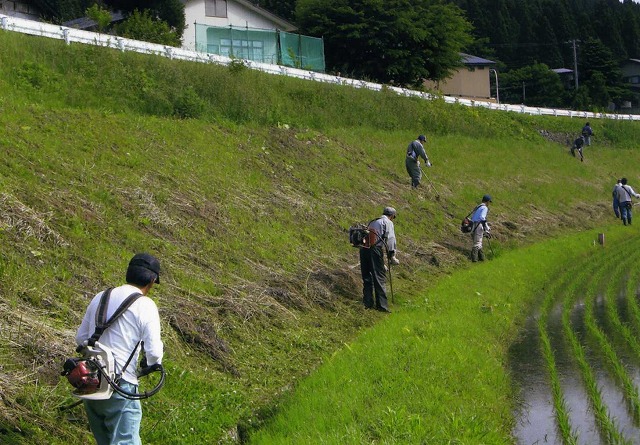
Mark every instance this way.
x=140 y=322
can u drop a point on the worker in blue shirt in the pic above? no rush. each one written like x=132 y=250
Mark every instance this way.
x=480 y=228
x=587 y=132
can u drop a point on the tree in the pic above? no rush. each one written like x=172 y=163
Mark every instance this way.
x=169 y=11
x=598 y=90
x=394 y=40
x=595 y=60
x=283 y=8
x=141 y=26
x=59 y=11
x=101 y=16
x=542 y=85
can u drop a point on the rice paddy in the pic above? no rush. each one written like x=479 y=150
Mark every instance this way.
x=578 y=360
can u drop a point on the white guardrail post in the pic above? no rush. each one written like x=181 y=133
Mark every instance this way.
x=69 y=35
x=65 y=35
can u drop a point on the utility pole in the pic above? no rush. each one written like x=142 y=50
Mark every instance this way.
x=575 y=63
x=497 y=87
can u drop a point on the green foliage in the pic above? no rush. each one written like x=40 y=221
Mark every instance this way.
x=60 y=11
x=99 y=15
x=543 y=87
x=394 y=41
x=169 y=11
x=143 y=26
x=237 y=66
x=188 y=105
x=284 y=8
x=36 y=75
x=598 y=90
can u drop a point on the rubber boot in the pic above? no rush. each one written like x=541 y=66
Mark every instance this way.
x=474 y=254
x=480 y=255
x=624 y=221
x=629 y=220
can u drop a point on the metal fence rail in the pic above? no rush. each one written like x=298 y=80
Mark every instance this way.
x=70 y=35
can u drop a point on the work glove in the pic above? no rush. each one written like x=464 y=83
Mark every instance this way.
x=487 y=234
x=393 y=260
x=149 y=369
x=428 y=164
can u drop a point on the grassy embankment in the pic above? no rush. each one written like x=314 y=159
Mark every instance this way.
x=244 y=185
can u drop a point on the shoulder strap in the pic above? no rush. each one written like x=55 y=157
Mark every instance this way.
x=474 y=210
x=627 y=191
x=101 y=314
x=384 y=232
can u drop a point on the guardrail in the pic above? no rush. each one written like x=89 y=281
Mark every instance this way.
x=70 y=35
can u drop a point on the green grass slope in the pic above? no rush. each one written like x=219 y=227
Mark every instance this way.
x=244 y=185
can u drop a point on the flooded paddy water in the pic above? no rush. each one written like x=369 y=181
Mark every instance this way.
x=602 y=413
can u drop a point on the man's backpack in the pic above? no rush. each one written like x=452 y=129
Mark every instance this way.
x=466 y=226
x=359 y=235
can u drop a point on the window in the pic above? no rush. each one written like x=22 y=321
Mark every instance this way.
x=215 y=8
x=242 y=49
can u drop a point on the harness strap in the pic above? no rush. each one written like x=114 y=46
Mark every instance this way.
x=375 y=237
x=101 y=314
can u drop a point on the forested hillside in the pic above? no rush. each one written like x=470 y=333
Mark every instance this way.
x=519 y=34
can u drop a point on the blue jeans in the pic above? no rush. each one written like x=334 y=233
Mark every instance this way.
x=625 y=212
x=115 y=421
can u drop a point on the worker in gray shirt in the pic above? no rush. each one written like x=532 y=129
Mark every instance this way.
x=382 y=237
x=415 y=151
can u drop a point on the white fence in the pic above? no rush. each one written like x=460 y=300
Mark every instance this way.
x=91 y=38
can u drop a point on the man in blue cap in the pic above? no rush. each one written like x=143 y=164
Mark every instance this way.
x=415 y=151
x=480 y=228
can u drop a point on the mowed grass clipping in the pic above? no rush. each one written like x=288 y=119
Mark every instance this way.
x=434 y=371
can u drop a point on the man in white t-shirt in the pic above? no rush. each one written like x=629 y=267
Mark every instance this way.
x=625 y=193
x=117 y=420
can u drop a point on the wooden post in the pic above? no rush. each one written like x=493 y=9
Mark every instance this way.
x=601 y=239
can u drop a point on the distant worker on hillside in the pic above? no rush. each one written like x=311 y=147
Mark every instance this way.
x=616 y=202
x=587 y=132
x=480 y=228
x=382 y=237
x=415 y=150
x=577 y=146
x=625 y=192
